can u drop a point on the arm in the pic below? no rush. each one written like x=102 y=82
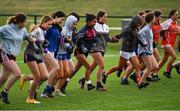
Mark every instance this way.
x=80 y=40
x=141 y=39
x=113 y=39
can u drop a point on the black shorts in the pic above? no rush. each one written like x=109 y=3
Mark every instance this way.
x=154 y=44
x=102 y=53
x=77 y=52
x=6 y=57
x=29 y=58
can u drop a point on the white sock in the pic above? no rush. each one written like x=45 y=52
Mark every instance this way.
x=68 y=79
x=89 y=82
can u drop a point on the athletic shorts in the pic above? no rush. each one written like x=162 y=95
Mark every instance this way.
x=61 y=57
x=6 y=57
x=102 y=53
x=29 y=58
x=127 y=55
x=68 y=56
x=167 y=45
x=77 y=52
x=144 y=54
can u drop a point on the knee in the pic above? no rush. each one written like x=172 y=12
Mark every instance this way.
x=164 y=60
x=156 y=67
x=88 y=67
x=66 y=74
x=18 y=75
x=174 y=58
x=60 y=74
x=37 y=79
x=56 y=68
x=150 y=68
x=101 y=66
x=158 y=59
x=137 y=68
x=44 y=78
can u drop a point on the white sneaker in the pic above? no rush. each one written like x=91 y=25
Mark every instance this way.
x=44 y=95
x=57 y=92
x=30 y=82
x=62 y=94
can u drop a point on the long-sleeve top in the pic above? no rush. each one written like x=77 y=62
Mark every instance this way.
x=146 y=36
x=66 y=33
x=102 y=31
x=52 y=36
x=36 y=49
x=86 y=37
x=156 y=28
x=11 y=38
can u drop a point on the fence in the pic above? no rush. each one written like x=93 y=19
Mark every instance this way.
x=124 y=22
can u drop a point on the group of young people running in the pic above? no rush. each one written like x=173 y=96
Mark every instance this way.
x=49 y=49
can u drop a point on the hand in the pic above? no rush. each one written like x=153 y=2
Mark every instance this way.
x=115 y=39
x=45 y=44
x=32 y=39
x=85 y=50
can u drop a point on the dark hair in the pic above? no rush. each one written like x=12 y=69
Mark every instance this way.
x=100 y=14
x=149 y=17
x=157 y=13
x=90 y=17
x=58 y=14
x=172 y=12
x=18 y=18
x=75 y=15
x=148 y=10
x=141 y=13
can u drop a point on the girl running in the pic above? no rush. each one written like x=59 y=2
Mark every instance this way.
x=33 y=56
x=84 y=42
x=156 y=28
x=11 y=36
x=130 y=67
x=168 y=41
x=64 y=52
x=52 y=36
x=145 y=53
x=99 y=49
x=130 y=42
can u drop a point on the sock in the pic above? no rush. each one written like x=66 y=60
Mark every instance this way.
x=68 y=79
x=5 y=90
x=89 y=82
x=155 y=72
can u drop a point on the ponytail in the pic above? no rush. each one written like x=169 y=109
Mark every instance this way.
x=11 y=20
x=32 y=27
x=18 y=18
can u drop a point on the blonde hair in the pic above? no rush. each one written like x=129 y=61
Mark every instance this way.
x=43 y=19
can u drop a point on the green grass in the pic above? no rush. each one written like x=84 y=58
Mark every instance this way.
x=113 y=7
x=160 y=95
x=163 y=95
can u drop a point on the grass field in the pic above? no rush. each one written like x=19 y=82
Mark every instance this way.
x=162 y=95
